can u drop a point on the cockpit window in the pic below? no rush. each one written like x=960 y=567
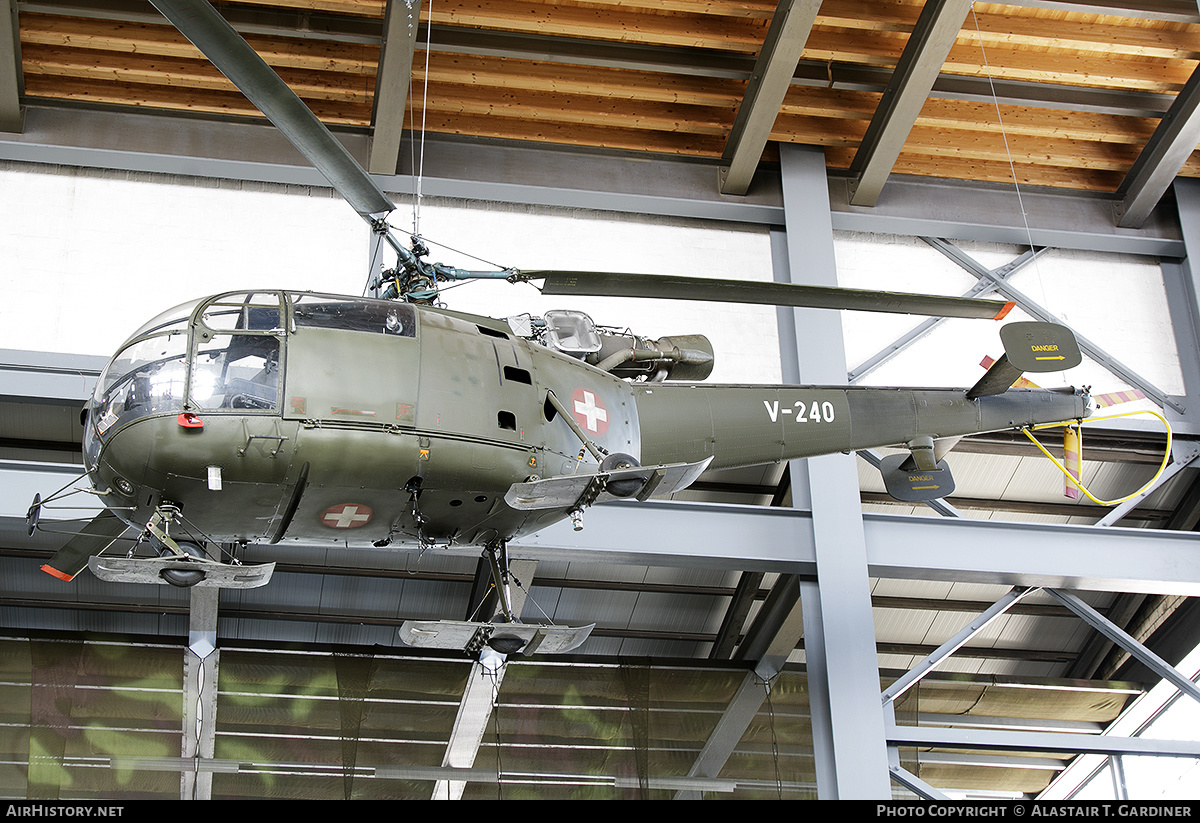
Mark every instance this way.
x=254 y=312
x=376 y=316
x=236 y=371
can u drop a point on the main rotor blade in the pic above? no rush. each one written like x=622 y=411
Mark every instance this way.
x=615 y=284
x=200 y=23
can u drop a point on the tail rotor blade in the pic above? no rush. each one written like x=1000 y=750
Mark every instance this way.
x=1116 y=398
x=1072 y=459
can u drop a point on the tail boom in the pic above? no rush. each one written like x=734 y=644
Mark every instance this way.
x=751 y=425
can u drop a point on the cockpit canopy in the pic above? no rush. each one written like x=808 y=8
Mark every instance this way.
x=225 y=353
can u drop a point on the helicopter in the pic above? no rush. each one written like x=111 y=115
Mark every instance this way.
x=242 y=417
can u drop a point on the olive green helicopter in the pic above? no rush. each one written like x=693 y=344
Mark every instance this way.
x=239 y=418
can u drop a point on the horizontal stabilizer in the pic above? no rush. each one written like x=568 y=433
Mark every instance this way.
x=576 y=490
x=150 y=569
x=100 y=533
x=1040 y=347
x=1028 y=347
x=506 y=638
x=904 y=481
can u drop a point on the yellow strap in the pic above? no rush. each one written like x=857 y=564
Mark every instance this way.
x=1150 y=484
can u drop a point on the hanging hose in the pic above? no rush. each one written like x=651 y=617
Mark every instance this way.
x=1149 y=485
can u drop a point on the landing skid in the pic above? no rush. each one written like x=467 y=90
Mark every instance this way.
x=150 y=570
x=504 y=638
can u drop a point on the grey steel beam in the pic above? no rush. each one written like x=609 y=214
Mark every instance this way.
x=746 y=537
x=837 y=618
x=736 y=718
x=548 y=177
x=59 y=378
x=932 y=661
x=11 y=82
x=392 y=82
x=672 y=534
x=915 y=784
x=769 y=83
x=920 y=64
x=1161 y=158
x=962 y=211
x=470 y=724
x=1119 y=636
x=201 y=661
x=1182 y=283
x=999 y=740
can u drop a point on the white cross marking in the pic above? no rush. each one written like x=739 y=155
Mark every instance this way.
x=588 y=408
x=346 y=518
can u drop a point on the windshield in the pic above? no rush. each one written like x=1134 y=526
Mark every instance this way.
x=234 y=361
x=145 y=377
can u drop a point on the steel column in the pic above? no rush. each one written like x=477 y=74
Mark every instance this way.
x=838 y=625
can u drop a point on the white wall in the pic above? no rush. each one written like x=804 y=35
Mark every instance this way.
x=87 y=256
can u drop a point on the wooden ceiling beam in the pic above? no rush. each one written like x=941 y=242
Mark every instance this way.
x=930 y=42
x=768 y=86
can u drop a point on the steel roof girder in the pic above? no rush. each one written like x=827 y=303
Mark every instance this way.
x=932 y=37
x=11 y=85
x=769 y=83
x=1162 y=157
x=391 y=85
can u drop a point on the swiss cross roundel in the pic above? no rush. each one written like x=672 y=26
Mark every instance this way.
x=589 y=411
x=346 y=516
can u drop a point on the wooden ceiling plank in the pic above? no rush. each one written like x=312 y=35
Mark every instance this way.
x=591 y=81
x=205 y=101
x=167 y=71
x=641 y=25
x=164 y=40
x=1079 y=69
x=392 y=83
x=931 y=40
x=603 y=136
x=357 y=8
x=11 y=85
x=550 y=107
x=768 y=86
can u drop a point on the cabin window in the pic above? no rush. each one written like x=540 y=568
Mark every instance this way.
x=347 y=314
x=236 y=371
x=507 y=420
